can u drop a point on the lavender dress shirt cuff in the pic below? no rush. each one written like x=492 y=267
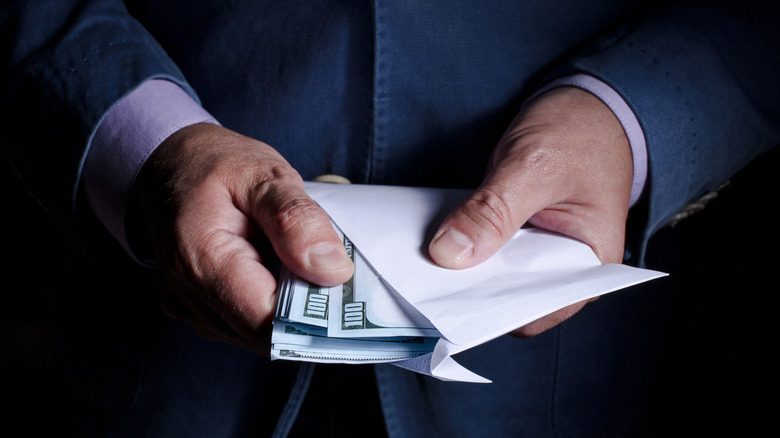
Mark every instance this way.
x=129 y=133
x=625 y=116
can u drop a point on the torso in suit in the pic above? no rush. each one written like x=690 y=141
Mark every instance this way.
x=413 y=93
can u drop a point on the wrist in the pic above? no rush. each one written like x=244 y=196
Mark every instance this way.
x=128 y=134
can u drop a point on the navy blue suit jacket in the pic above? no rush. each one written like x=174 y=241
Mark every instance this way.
x=397 y=93
x=390 y=92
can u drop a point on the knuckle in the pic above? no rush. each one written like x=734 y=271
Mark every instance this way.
x=278 y=193
x=490 y=210
x=282 y=173
x=546 y=161
x=296 y=212
x=268 y=177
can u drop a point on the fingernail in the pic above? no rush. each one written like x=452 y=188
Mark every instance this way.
x=454 y=245
x=327 y=256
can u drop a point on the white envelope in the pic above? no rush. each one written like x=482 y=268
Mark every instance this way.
x=534 y=274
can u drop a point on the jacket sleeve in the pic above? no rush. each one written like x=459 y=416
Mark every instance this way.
x=65 y=63
x=701 y=78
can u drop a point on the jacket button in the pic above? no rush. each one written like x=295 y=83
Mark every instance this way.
x=333 y=179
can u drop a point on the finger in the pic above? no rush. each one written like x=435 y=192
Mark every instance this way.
x=241 y=290
x=216 y=329
x=299 y=230
x=185 y=305
x=545 y=323
x=215 y=268
x=180 y=302
x=605 y=234
x=488 y=218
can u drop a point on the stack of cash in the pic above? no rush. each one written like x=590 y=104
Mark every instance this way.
x=361 y=321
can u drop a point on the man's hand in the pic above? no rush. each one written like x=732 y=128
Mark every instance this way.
x=563 y=165
x=212 y=197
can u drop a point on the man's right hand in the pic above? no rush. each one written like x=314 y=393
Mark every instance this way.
x=211 y=197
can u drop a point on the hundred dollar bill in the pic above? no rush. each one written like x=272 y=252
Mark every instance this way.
x=309 y=343
x=364 y=306
x=361 y=321
x=301 y=301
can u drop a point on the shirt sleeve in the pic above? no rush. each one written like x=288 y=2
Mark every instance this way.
x=625 y=116
x=128 y=134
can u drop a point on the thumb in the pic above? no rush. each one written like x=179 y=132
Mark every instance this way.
x=301 y=234
x=481 y=225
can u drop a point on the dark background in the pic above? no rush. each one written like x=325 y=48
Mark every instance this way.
x=718 y=372
x=719 y=366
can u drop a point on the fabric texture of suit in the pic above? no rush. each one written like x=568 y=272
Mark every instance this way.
x=412 y=93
